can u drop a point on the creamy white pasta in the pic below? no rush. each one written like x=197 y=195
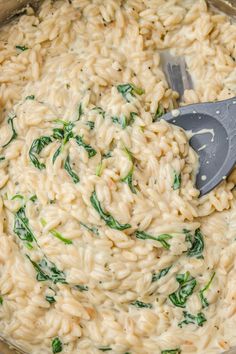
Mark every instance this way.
x=105 y=245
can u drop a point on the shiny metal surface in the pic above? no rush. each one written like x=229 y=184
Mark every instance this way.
x=8 y=9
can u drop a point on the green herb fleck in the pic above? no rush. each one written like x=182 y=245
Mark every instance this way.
x=93 y=229
x=132 y=117
x=69 y=170
x=199 y=319
x=91 y=152
x=50 y=299
x=129 y=90
x=30 y=97
x=162 y=273
x=186 y=286
x=177 y=181
x=100 y=111
x=171 y=351
x=14 y=133
x=104 y=349
x=107 y=155
x=197 y=245
x=163 y=238
x=141 y=304
x=99 y=169
x=81 y=287
x=1 y=300
x=33 y=198
x=80 y=111
x=2 y=158
x=203 y=299
x=21 y=47
x=56 y=346
x=122 y=120
x=109 y=220
x=90 y=124
x=37 y=146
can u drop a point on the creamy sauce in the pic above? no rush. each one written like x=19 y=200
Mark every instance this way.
x=190 y=133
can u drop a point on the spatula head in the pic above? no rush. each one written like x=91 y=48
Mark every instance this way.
x=212 y=128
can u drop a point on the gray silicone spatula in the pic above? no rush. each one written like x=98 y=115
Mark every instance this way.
x=211 y=125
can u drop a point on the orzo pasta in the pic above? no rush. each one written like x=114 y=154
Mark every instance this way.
x=105 y=245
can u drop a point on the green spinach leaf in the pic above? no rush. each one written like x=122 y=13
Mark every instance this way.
x=129 y=90
x=21 y=226
x=80 y=111
x=91 y=152
x=163 y=238
x=109 y=220
x=57 y=234
x=177 y=181
x=104 y=349
x=203 y=299
x=30 y=97
x=129 y=180
x=197 y=245
x=21 y=47
x=33 y=198
x=47 y=270
x=57 y=346
x=90 y=124
x=100 y=111
x=37 y=146
x=159 y=113
x=186 y=286
x=81 y=287
x=50 y=299
x=14 y=133
x=122 y=120
x=62 y=134
x=171 y=351
x=162 y=273
x=92 y=229
x=199 y=319
x=141 y=304
x=69 y=170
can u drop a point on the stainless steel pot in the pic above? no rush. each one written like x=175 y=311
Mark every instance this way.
x=10 y=8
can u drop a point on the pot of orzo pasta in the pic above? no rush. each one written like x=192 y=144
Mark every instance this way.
x=105 y=244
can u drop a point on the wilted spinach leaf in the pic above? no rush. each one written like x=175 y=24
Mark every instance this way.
x=128 y=90
x=21 y=226
x=162 y=273
x=203 y=299
x=163 y=238
x=109 y=220
x=91 y=152
x=36 y=147
x=56 y=345
x=197 y=245
x=177 y=181
x=186 y=286
x=140 y=304
x=14 y=133
x=69 y=170
x=47 y=270
x=199 y=319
